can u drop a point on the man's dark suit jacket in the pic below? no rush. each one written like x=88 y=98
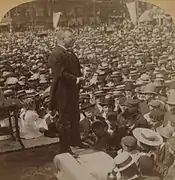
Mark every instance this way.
x=64 y=91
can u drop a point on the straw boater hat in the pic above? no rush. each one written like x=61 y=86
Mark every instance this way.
x=8 y=93
x=143 y=80
x=118 y=93
x=166 y=132
x=160 y=77
x=155 y=103
x=147 y=137
x=123 y=161
x=171 y=143
x=11 y=81
x=30 y=93
x=149 y=89
x=171 y=98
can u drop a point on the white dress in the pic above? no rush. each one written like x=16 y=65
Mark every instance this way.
x=30 y=125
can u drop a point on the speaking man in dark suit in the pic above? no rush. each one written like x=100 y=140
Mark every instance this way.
x=64 y=96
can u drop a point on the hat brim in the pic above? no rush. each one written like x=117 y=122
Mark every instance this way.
x=138 y=135
x=159 y=86
x=127 y=166
x=170 y=103
x=148 y=92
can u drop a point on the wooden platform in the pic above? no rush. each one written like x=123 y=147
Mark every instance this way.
x=11 y=145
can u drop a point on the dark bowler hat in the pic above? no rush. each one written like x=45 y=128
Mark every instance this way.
x=84 y=96
x=99 y=124
x=112 y=116
x=87 y=106
x=100 y=118
x=132 y=102
x=129 y=86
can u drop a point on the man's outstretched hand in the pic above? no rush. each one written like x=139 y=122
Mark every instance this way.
x=80 y=80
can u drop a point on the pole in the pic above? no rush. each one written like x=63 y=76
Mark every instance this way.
x=11 y=28
x=33 y=16
x=137 y=10
x=94 y=10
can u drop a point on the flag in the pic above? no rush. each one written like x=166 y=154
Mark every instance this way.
x=131 y=5
x=56 y=17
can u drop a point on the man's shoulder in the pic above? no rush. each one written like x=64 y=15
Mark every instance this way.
x=168 y=115
x=85 y=121
x=58 y=50
x=56 y=55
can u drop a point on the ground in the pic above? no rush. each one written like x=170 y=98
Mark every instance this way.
x=31 y=164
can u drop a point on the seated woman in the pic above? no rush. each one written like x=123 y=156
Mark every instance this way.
x=31 y=125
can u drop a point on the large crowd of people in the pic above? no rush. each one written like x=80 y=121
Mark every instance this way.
x=127 y=102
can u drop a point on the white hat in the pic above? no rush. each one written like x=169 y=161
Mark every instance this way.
x=123 y=161
x=165 y=132
x=147 y=136
x=11 y=81
x=171 y=97
x=150 y=88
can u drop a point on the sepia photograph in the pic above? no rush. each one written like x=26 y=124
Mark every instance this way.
x=87 y=91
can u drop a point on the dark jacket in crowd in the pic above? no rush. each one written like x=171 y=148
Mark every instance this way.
x=137 y=120
x=102 y=142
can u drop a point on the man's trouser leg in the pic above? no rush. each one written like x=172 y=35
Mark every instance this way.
x=74 y=128
x=64 y=132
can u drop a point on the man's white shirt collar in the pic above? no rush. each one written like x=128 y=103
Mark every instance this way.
x=62 y=47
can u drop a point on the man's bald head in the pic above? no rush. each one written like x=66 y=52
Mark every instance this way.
x=64 y=35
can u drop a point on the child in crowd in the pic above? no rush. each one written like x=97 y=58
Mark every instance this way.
x=115 y=134
x=31 y=125
x=86 y=122
x=99 y=128
x=98 y=137
x=129 y=145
